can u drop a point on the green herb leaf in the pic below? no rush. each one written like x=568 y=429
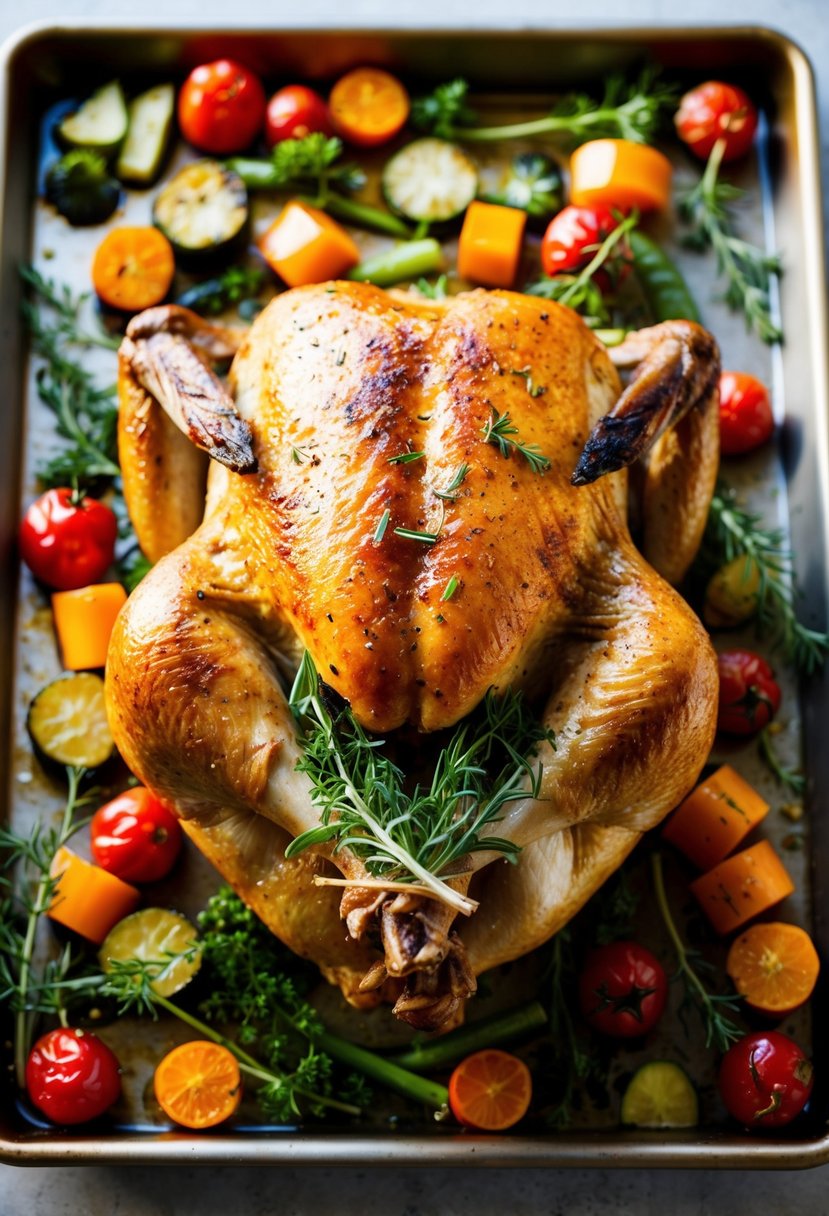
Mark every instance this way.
x=500 y=432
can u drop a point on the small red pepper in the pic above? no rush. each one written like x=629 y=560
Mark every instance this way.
x=749 y=693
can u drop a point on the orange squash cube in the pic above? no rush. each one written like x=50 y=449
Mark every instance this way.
x=715 y=818
x=489 y=249
x=304 y=245
x=620 y=174
x=88 y=899
x=84 y=620
x=742 y=887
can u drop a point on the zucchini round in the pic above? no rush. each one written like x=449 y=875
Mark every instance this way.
x=203 y=212
x=68 y=724
x=430 y=181
x=100 y=124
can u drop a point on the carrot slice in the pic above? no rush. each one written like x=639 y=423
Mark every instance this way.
x=368 y=107
x=304 y=245
x=489 y=248
x=715 y=818
x=133 y=268
x=742 y=887
x=620 y=173
x=774 y=966
x=88 y=900
x=84 y=620
x=198 y=1084
x=490 y=1090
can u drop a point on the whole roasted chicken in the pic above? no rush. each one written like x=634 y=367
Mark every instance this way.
x=430 y=499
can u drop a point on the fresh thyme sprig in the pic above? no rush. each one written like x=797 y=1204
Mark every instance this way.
x=713 y=1008
x=419 y=836
x=732 y=532
x=788 y=777
x=581 y=292
x=500 y=431
x=86 y=414
x=627 y=111
x=748 y=270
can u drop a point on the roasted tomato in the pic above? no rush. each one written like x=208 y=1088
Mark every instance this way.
x=746 y=420
x=68 y=541
x=765 y=1080
x=294 y=112
x=574 y=236
x=749 y=693
x=622 y=990
x=713 y=111
x=135 y=837
x=72 y=1076
x=221 y=107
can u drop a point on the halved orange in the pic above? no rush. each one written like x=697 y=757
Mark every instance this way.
x=774 y=967
x=198 y=1084
x=490 y=1090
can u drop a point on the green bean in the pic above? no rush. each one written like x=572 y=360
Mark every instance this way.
x=407 y=261
x=665 y=291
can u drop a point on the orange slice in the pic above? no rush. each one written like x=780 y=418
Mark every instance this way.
x=490 y=1090
x=774 y=966
x=198 y=1084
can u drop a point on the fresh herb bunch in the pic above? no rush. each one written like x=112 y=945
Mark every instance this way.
x=581 y=292
x=500 y=431
x=748 y=270
x=86 y=414
x=626 y=111
x=732 y=532
x=422 y=836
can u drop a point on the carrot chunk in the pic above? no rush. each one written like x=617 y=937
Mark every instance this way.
x=84 y=620
x=88 y=900
x=621 y=174
x=489 y=249
x=715 y=818
x=304 y=245
x=742 y=887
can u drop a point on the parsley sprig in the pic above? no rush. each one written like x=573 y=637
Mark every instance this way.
x=421 y=835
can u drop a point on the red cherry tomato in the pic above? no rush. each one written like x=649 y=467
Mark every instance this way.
x=746 y=419
x=221 y=107
x=294 y=112
x=713 y=111
x=68 y=542
x=135 y=837
x=765 y=1080
x=573 y=236
x=622 y=990
x=72 y=1076
x=749 y=693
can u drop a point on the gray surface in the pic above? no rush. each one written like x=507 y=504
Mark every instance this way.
x=216 y=1192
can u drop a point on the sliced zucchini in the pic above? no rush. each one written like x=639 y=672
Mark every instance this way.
x=148 y=133
x=155 y=935
x=430 y=181
x=202 y=211
x=68 y=723
x=100 y=123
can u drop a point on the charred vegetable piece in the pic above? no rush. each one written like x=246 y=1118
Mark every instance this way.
x=68 y=723
x=430 y=181
x=100 y=124
x=203 y=212
x=213 y=296
x=150 y=121
x=82 y=189
x=534 y=185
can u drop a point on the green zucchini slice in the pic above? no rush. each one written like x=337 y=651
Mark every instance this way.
x=68 y=723
x=202 y=211
x=430 y=181
x=148 y=133
x=100 y=124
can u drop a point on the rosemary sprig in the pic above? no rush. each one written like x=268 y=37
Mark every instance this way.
x=433 y=291
x=789 y=777
x=450 y=494
x=627 y=111
x=499 y=431
x=425 y=538
x=732 y=532
x=422 y=835
x=573 y=1061
x=720 y=1031
x=450 y=588
x=747 y=269
x=383 y=523
x=405 y=457
x=581 y=292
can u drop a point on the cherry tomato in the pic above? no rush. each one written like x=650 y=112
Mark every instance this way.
x=221 y=107
x=622 y=990
x=573 y=236
x=294 y=112
x=749 y=693
x=66 y=541
x=765 y=1080
x=713 y=111
x=746 y=419
x=72 y=1076
x=135 y=837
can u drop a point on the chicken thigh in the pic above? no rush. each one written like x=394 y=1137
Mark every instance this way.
x=369 y=453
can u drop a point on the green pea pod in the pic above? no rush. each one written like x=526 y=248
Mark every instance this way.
x=663 y=287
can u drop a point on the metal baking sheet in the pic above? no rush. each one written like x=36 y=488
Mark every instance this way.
x=792 y=486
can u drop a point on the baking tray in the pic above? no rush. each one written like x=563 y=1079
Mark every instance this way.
x=44 y=63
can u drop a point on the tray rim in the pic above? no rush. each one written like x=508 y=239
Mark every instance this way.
x=611 y=1149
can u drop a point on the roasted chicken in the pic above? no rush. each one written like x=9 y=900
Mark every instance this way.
x=317 y=536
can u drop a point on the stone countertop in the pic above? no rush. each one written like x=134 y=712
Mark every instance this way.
x=182 y=1191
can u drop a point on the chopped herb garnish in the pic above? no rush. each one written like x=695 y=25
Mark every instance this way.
x=298 y=455
x=432 y=291
x=535 y=390
x=450 y=588
x=406 y=457
x=380 y=530
x=450 y=494
x=500 y=431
